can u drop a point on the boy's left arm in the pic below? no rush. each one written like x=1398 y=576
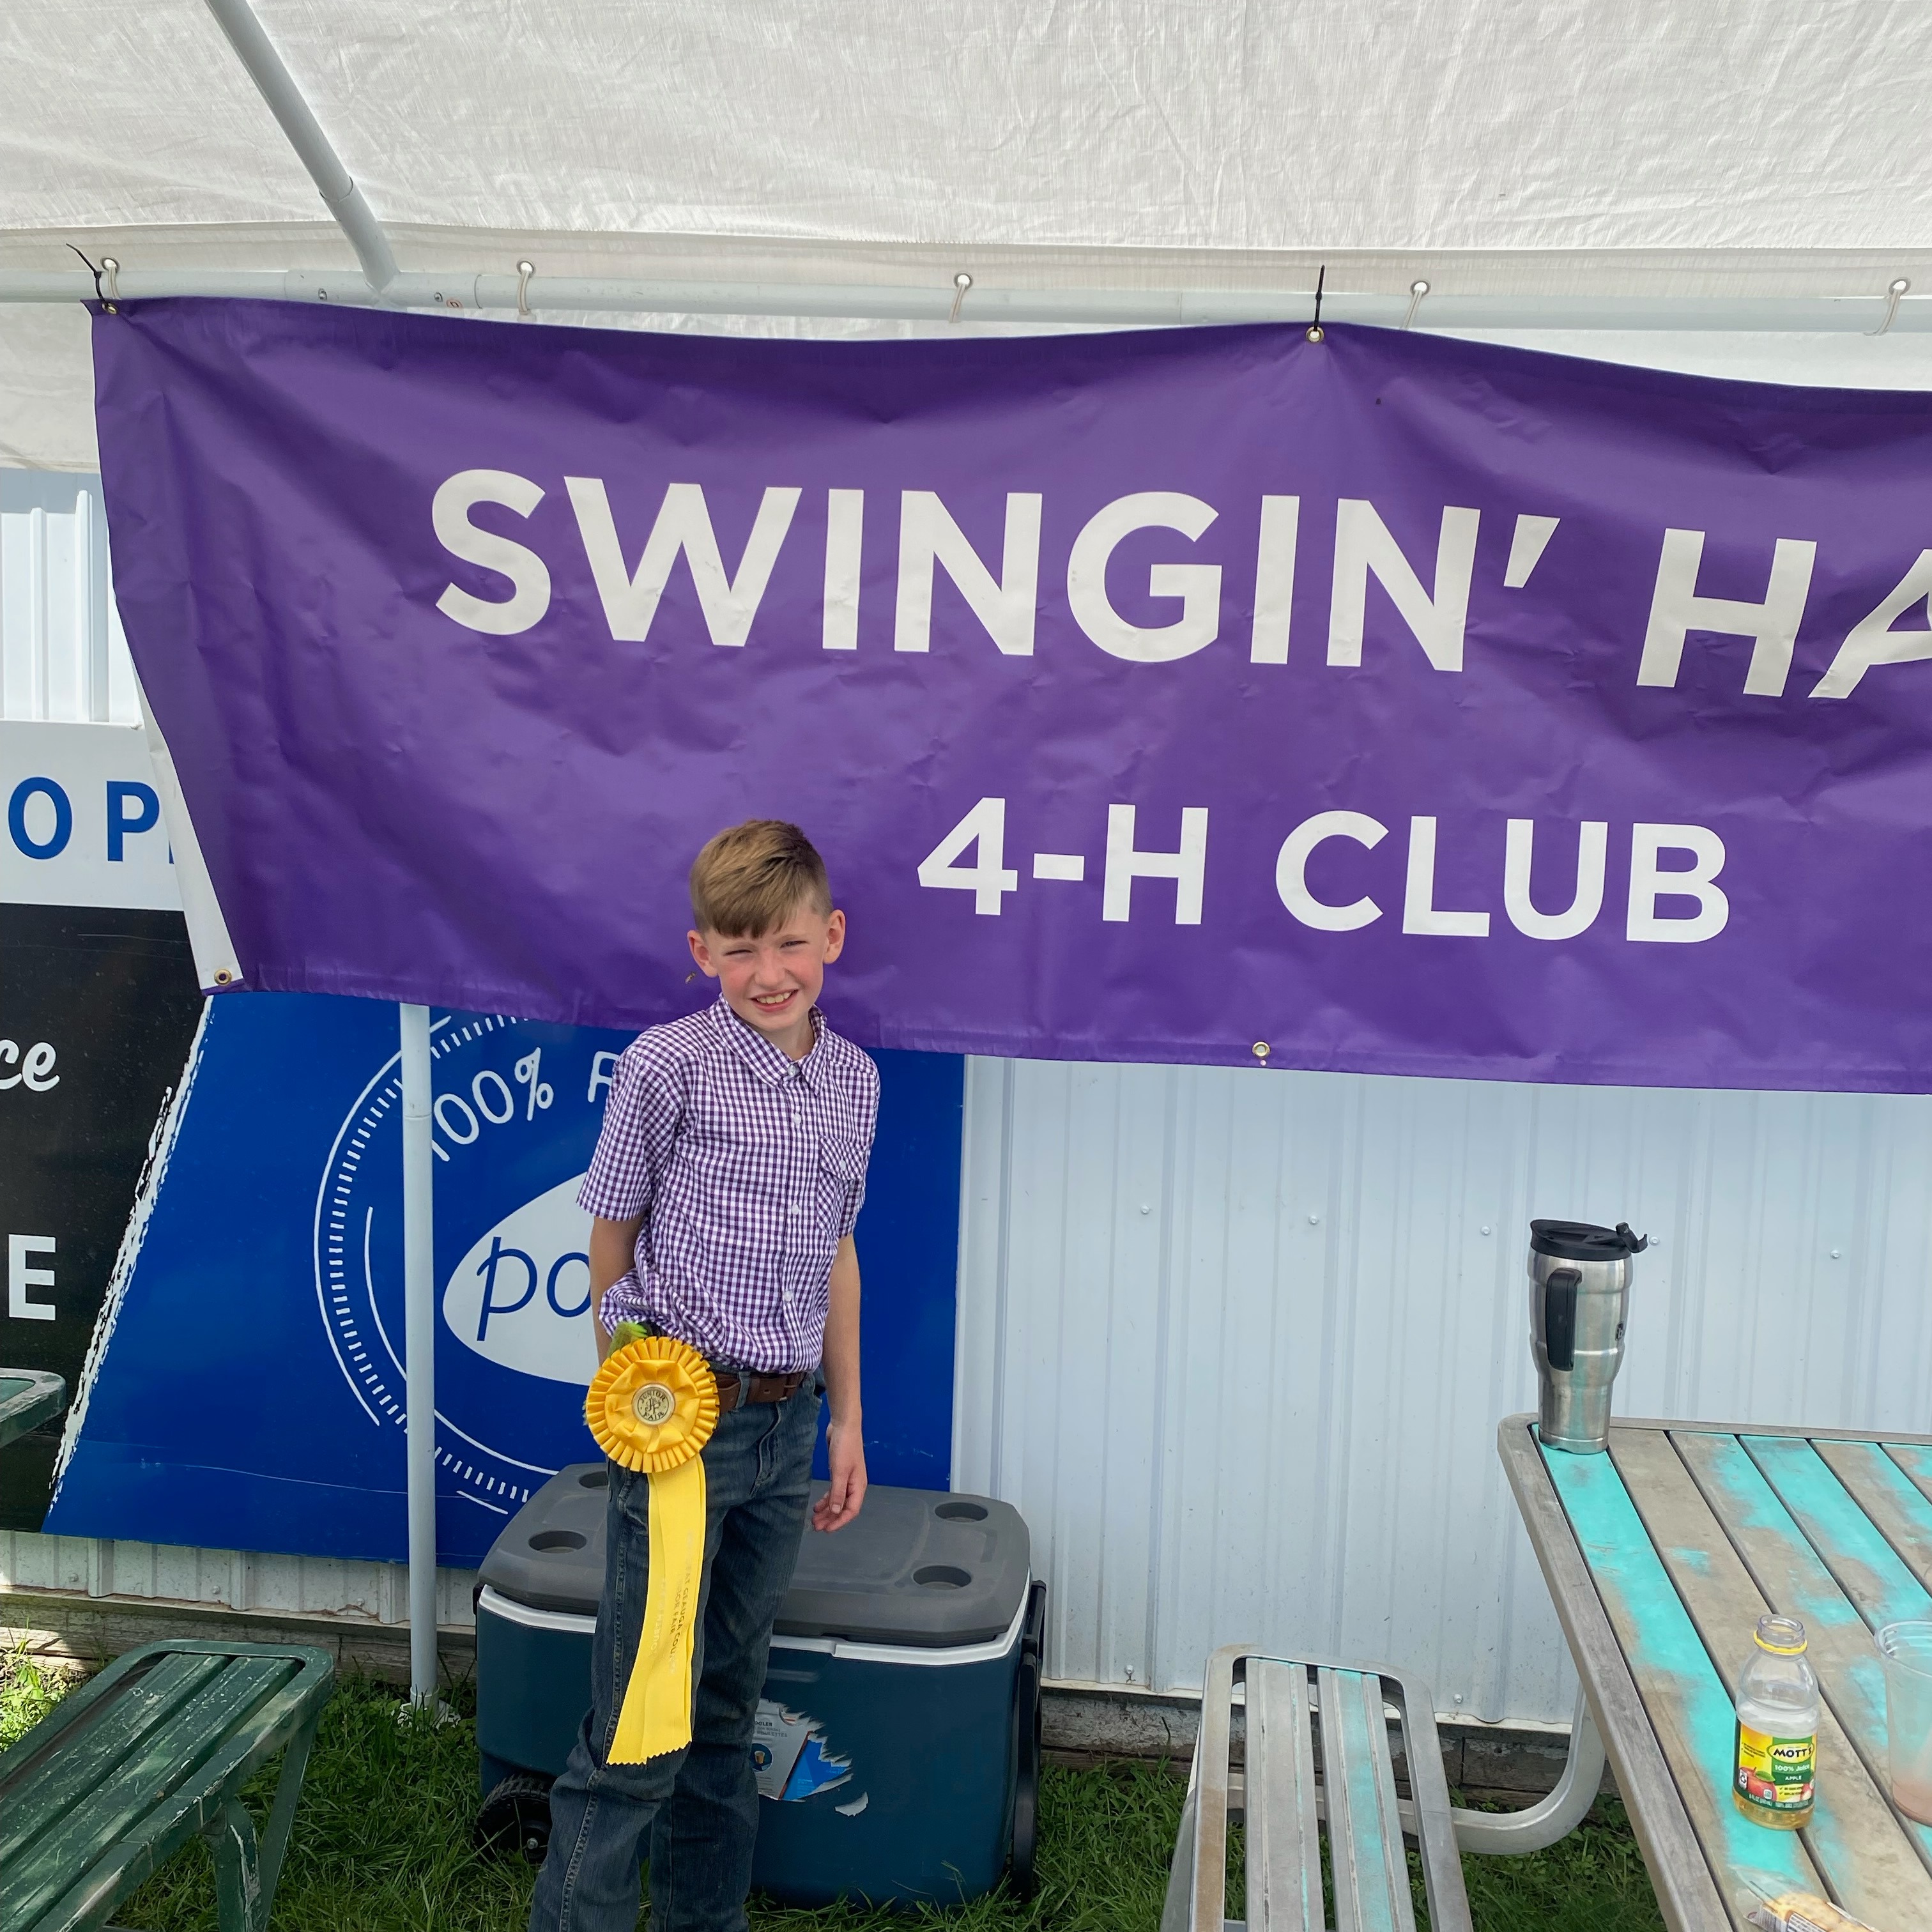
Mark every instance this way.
x=845 y=1443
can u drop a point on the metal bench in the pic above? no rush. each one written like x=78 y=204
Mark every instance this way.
x=1290 y=1705
x=122 y=1772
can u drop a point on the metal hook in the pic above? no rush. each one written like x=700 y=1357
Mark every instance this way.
x=109 y=296
x=525 y=270
x=1314 y=327
x=1417 y=290
x=111 y=269
x=961 y=283
x=1891 y=296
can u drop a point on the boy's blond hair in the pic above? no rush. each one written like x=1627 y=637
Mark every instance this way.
x=750 y=878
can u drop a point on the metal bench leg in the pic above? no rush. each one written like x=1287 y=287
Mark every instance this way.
x=238 y=1879
x=1516 y=1833
x=245 y=1870
x=288 y=1795
x=1175 y=1913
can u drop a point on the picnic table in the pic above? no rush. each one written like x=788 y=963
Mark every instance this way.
x=28 y=1398
x=1661 y=1557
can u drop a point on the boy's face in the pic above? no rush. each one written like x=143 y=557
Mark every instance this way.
x=772 y=982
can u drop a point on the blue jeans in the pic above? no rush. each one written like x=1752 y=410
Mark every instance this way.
x=695 y=1810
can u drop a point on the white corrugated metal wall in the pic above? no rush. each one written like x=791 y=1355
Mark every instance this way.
x=1237 y=1343
x=1223 y=1418
x=231 y=1579
x=62 y=656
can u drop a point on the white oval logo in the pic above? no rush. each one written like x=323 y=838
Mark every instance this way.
x=521 y=1296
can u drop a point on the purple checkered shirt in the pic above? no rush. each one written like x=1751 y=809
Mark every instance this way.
x=748 y=1167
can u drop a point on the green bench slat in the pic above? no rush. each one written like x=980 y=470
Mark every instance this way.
x=1284 y=1823
x=33 y=1799
x=1684 y=1697
x=1371 y=1869
x=166 y=1760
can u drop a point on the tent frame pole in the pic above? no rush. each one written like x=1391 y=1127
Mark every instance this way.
x=419 y=1346
x=286 y=101
x=1871 y=312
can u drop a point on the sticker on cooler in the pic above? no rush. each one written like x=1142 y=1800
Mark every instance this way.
x=790 y=1757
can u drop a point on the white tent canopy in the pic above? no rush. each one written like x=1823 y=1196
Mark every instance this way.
x=1781 y=125
x=1565 y=169
x=1738 y=164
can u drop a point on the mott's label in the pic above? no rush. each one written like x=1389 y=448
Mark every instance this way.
x=1774 y=1773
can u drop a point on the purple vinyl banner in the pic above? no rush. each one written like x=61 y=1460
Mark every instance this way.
x=1374 y=702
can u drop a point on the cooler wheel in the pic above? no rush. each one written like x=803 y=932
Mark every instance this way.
x=515 y=1817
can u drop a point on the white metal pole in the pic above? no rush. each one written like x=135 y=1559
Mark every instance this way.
x=419 y=1347
x=1870 y=312
x=340 y=194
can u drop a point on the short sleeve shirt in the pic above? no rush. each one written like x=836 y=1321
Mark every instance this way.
x=748 y=1169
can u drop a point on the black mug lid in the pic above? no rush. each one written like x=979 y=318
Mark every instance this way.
x=1585 y=1241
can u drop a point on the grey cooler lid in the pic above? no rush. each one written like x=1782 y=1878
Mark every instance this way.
x=551 y=1554
x=916 y=1566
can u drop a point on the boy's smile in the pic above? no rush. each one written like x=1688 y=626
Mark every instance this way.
x=772 y=982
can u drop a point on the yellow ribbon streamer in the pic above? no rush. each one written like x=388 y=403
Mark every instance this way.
x=652 y=1408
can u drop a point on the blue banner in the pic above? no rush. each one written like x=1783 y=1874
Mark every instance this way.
x=248 y=1390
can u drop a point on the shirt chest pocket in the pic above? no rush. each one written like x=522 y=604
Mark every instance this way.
x=842 y=1158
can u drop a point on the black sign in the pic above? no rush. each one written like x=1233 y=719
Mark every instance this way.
x=97 y=1013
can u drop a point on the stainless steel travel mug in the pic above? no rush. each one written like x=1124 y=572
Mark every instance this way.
x=1579 y=1277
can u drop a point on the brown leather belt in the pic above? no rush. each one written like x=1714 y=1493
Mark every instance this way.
x=758 y=1388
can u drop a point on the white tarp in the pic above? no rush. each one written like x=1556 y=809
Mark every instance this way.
x=1708 y=146
x=1153 y=124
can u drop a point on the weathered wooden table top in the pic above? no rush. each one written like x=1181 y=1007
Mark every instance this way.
x=1661 y=1557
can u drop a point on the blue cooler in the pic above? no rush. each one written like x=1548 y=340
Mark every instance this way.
x=898 y=1740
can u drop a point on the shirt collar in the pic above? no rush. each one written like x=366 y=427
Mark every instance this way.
x=771 y=1064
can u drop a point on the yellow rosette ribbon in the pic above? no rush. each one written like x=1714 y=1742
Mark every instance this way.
x=652 y=1407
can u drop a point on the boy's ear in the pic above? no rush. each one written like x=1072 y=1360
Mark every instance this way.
x=834 y=934
x=701 y=953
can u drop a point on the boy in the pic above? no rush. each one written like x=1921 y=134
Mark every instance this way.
x=729 y=1173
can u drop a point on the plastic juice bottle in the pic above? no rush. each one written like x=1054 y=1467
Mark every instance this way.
x=1776 y=1745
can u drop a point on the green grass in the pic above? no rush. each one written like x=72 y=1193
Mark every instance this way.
x=27 y=1692
x=381 y=1844
x=1592 y=1881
